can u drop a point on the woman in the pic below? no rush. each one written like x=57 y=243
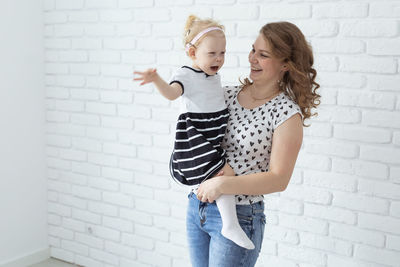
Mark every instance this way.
x=262 y=141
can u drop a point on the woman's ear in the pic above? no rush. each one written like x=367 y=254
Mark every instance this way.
x=285 y=67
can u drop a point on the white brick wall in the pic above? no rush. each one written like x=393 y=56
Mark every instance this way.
x=111 y=200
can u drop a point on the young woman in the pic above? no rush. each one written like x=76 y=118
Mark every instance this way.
x=262 y=141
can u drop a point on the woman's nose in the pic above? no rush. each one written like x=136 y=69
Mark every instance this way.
x=252 y=58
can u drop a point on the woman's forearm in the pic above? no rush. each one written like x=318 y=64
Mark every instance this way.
x=254 y=184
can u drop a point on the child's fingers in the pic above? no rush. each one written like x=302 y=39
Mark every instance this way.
x=138 y=72
x=138 y=79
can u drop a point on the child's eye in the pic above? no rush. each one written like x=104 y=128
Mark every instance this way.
x=211 y=53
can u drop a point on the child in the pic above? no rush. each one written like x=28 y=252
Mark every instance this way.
x=197 y=153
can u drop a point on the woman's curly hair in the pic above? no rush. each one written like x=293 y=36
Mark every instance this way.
x=288 y=43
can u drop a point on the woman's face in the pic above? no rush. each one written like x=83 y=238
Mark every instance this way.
x=264 y=66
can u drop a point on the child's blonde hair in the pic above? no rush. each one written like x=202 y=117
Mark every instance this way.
x=195 y=25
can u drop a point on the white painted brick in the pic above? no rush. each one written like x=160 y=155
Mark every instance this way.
x=386 y=155
x=118 y=224
x=70 y=80
x=116 y=70
x=326 y=63
x=326 y=243
x=356 y=234
x=72 y=154
x=68 y=30
x=133 y=4
x=117 y=174
x=395 y=208
x=60 y=232
x=393 y=242
x=367 y=64
x=379 y=189
x=340 y=10
x=101 y=108
x=61 y=187
x=82 y=69
x=380 y=223
x=125 y=43
x=85 y=168
x=73 y=4
x=115 y=122
x=135 y=138
x=169 y=249
x=324 y=28
x=308 y=194
x=106 y=233
x=337 y=181
x=343 y=80
x=180 y=14
x=86 y=216
x=330 y=213
x=154 y=154
x=103 y=184
x=89 y=240
x=150 y=257
x=146 y=126
x=72 y=201
x=73 y=178
x=86 y=144
x=395 y=174
x=318 y=130
x=140 y=191
x=83 y=16
x=387 y=9
x=377 y=255
x=86 y=192
x=85 y=43
x=369 y=100
x=54 y=219
x=55 y=68
x=334 y=261
x=381 y=118
x=382 y=47
x=105 y=56
x=136 y=165
x=301 y=254
x=138 y=58
x=332 y=148
x=74 y=225
x=103 y=256
x=102 y=159
x=285 y=11
x=56 y=116
x=120 y=250
x=88 y=262
x=314 y=162
x=152 y=206
x=85 y=119
x=101 y=3
x=281 y=234
x=115 y=15
x=70 y=105
x=383 y=82
x=103 y=209
x=152 y=14
x=361 y=134
x=371 y=169
x=360 y=203
x=118 y=199
x=134 y=111
x=84 y=94
x=396 y=138
x=102 y=134
x=57 y=92
x=137 y=241
x=58 y=163
x=166 y=141
x=54 y=242
x=224 y=13
x=57 y=43
x=150 y=44
x=62 y=254
x=303 y=223
x=360 y=28
x=48 y=4
x=58 y=140
x=137 y=217
x=136 y=29
x=75 y=247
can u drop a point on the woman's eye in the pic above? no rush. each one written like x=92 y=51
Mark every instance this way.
x=264 y=55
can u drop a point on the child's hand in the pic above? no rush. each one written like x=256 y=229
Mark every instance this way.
x=147 y=76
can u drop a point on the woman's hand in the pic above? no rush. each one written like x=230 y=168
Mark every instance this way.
x=210 y=189
x=147 y=76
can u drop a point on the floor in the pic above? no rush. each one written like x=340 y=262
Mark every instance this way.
x=53 y=263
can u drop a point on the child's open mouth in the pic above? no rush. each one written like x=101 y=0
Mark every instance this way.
x=214 y=68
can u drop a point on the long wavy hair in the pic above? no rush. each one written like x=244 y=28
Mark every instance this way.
x=288 y=43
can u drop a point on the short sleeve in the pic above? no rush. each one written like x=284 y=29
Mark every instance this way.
x=286 y=108
x=182 y=77
x=229 y=93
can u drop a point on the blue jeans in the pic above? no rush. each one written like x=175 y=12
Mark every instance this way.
x=208 y=248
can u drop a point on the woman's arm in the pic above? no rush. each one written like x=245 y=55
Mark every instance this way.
x=286 y=144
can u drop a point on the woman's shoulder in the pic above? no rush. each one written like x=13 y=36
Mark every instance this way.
x=284 y=108
x=231 y=90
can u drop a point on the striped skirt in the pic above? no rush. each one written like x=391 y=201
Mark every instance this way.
x=197 y=153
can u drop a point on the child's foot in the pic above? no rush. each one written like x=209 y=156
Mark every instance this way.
x=237 y=235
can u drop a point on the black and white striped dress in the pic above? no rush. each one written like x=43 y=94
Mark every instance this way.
x=200 y=129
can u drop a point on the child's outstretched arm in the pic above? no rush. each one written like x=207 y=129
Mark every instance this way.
x=170 y=92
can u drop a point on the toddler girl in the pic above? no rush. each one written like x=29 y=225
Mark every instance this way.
x=201 y=126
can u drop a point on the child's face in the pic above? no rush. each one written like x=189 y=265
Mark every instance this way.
x=209 y=55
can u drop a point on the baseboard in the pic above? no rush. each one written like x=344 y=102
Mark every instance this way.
x=28 y=260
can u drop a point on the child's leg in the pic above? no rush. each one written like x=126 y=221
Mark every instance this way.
x=230 y=224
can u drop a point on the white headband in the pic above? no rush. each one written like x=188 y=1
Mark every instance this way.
x=200 y=34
